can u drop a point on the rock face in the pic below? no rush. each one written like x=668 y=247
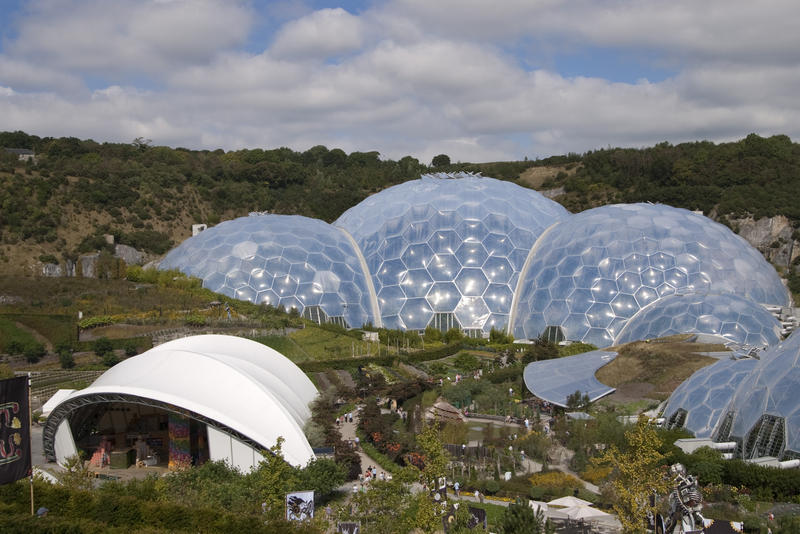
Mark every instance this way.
x=130 y=255
x=772 y=236
x=87 y=264
x=52 y=270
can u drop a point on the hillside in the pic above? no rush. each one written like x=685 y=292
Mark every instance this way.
x=149 y=196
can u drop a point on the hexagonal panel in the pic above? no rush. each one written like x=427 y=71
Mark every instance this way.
x=471 y=282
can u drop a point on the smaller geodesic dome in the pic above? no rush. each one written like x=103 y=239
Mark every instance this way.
x=733 y=318
x=281 y=260
x=591 y=273
x=239 y=395
x=446 y=250
x=764 y=414
x=701 y=400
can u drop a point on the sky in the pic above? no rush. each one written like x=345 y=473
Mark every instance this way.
x=478 y=80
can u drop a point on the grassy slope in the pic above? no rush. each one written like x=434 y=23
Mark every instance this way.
x=661 y=366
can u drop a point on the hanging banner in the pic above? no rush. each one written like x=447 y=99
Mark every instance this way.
x=15 y=437
x=299 y=505
x=180 y=456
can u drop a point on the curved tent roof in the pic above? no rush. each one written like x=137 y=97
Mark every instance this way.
x=238 y=383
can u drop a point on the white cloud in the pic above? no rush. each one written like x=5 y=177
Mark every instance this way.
x=406 y=78
x=321 y=35
x=109 y=38
x=27 y=76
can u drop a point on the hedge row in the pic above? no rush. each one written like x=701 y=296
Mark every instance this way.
x=80 y=511
x=386 y=361
x=142 y=343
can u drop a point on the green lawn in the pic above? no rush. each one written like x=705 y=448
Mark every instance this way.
x=286 y=346
x=321 y=344
x=9 y=332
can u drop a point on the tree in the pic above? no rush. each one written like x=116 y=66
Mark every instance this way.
x=636 y=475
x=273 y=479
x=75 y=475
x=388 y=507
x=102 y=346
x=65 y=358
x=578 y=401
x=519 y=518
x=498 y=337
x=453 y=335
x=435 y=456
x=34 y=352
x=141 y=143
x=442 y=160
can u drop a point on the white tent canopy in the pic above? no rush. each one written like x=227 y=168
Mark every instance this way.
x=583 y=512
x=569 y=501
x=236 y=382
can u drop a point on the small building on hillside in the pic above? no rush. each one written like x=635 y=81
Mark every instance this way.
x=23 y=154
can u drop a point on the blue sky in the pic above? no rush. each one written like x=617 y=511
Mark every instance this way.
x=479 y=81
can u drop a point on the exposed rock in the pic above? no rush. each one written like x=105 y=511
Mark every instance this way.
x=130 y=255
x=770 y=235
x=552 y=193
x=87 y=264
x=52 y=270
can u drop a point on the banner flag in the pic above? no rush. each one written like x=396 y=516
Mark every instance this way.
x=15 y=436
x=299 y=505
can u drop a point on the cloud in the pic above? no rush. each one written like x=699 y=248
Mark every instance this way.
x=109 y=38
x=406 y=77
x=321 y=35
x=715 y=29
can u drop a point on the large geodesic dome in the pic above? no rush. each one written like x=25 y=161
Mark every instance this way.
x=474 y=253
x=699 y=402
x=733 y=318
x=447 y=250
x=281 y=260
x=591 y=273
x=764 y=415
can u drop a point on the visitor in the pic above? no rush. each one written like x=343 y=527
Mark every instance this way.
x=455 y=487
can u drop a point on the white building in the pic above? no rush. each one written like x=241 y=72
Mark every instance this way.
x=199 y=398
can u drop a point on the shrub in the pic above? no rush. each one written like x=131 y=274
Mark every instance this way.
x=102 y=346
x=66 y=359
x=130 y=349
x=195 y=319
x=35 y=352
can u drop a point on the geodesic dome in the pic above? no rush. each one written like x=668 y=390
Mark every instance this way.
x=731 y=317
x=765 y=409
x=592 y=272
x=281 y=260
x=447 y=250
x=699 y=402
